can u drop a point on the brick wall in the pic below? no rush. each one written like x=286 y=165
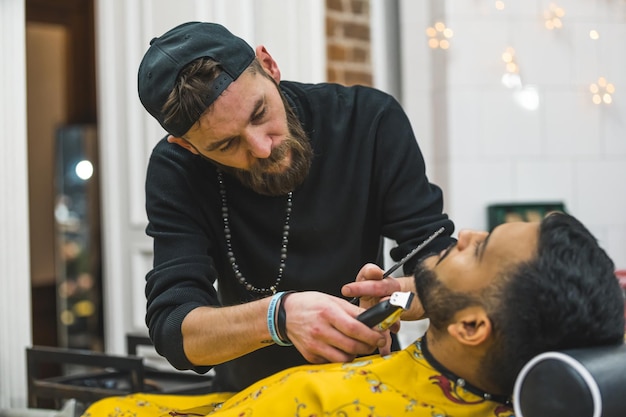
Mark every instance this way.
x=348 y=42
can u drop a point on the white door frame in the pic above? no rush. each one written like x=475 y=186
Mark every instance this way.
x=15 y=302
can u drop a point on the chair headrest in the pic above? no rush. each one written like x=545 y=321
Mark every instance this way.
x=589 y=382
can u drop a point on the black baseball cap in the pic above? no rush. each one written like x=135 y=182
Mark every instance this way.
x=175 y=49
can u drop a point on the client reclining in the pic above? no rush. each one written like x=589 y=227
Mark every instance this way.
x=494 y=301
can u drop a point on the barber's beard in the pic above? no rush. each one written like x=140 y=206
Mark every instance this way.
x=440 y=303
x=268 y=176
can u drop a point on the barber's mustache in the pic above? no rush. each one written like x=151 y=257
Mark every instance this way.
x=276 y=156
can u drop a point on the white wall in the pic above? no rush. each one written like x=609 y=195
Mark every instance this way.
x=483 y=147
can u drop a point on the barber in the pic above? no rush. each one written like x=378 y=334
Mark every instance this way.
x=263 y=200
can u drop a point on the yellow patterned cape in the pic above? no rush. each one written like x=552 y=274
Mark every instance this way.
x=401 y=384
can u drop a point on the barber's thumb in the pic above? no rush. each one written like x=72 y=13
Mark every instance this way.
x=384 y=343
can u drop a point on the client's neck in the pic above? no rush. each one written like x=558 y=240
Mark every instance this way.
x=461 y=360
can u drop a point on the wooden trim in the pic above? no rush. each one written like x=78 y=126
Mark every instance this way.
x=77 y=16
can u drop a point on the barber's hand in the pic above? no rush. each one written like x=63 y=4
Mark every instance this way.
x=323 y=328
x=371 y=288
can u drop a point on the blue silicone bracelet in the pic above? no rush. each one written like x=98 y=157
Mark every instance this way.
x=271 y=319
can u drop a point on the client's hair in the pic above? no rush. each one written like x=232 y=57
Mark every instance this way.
x=566 y=297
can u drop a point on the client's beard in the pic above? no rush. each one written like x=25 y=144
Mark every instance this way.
x=262 y=176
x=440 y=303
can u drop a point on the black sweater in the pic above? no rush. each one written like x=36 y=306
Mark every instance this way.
x=367 y=180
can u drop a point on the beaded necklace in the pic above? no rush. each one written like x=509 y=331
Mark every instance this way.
x=231 y=254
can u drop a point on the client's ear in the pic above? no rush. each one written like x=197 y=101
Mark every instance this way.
x=182 y=142
x=471 y=326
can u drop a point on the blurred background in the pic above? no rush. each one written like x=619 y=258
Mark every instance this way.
x=518 y=106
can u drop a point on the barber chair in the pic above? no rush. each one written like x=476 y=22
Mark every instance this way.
x=70 y=409
x=588 y=382
x=95 y=375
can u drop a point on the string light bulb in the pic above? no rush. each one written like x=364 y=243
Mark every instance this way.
x=509 y=59
x=511 y=77
x=602 y=91
x=499 y=5
x=527 y=96
x=439 y=36
x=553 y=17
